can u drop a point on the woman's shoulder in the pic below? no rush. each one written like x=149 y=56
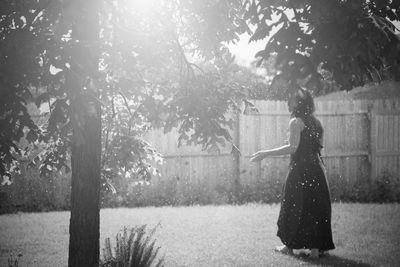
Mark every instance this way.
x=296 y=122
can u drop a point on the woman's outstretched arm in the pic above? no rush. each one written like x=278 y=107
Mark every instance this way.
x=296 y=125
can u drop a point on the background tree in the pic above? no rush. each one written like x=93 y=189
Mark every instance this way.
x=354 y=41
x=88 y=61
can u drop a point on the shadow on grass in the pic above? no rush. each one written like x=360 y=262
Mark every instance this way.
x=333 y=260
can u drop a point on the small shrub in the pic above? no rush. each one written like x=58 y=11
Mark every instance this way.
x=197 y=192
x=339 y=187
x=245 y=194
x=271 y=190
x=361 y=191
x=133 y=248
x=386 y=188
x=14 y=262
x=267 y=190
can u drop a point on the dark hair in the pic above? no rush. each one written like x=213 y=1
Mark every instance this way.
x=305 y=103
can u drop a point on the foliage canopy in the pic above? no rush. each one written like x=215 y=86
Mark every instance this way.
x=353 y=41
x=163 y=64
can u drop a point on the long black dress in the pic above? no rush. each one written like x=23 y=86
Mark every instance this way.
x=305 y=215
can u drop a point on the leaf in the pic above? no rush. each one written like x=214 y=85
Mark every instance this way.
x=249 y=108
x=67 y=169
x=262 y=53
x=183 y=137
x=213 y=149
x=261 y=33
x=44 y=97
x=57 y=115
x=279 y=84
x=314 y=83
x=383 y=25
x=31 y=136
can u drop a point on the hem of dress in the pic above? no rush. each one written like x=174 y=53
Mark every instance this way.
x=289 y=245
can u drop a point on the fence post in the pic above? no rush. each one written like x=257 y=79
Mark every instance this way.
x=372 y=142
x=236 y=155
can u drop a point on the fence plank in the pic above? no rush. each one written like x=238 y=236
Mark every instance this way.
x=373 y=144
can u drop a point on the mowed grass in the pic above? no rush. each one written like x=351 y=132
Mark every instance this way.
x=364 y=235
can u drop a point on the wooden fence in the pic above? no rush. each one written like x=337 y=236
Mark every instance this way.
x=361 y=140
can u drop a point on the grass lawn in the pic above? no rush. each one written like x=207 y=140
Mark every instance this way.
x=364 y=235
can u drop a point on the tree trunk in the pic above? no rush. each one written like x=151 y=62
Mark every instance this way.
x=84 y=232
x=84 y=229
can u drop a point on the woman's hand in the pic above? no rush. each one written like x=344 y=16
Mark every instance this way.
x=258 y=156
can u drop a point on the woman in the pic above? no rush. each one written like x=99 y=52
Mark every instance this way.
x=305 y=216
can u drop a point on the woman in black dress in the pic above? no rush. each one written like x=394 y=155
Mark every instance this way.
x=305 y=215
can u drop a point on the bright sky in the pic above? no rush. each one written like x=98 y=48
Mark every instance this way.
x=245 y=51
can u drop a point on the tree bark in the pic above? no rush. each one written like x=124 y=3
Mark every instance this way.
x=85 y=197
x=84 y=229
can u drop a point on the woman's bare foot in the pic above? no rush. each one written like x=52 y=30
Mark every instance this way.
x=284 y=250
x=314 y=253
